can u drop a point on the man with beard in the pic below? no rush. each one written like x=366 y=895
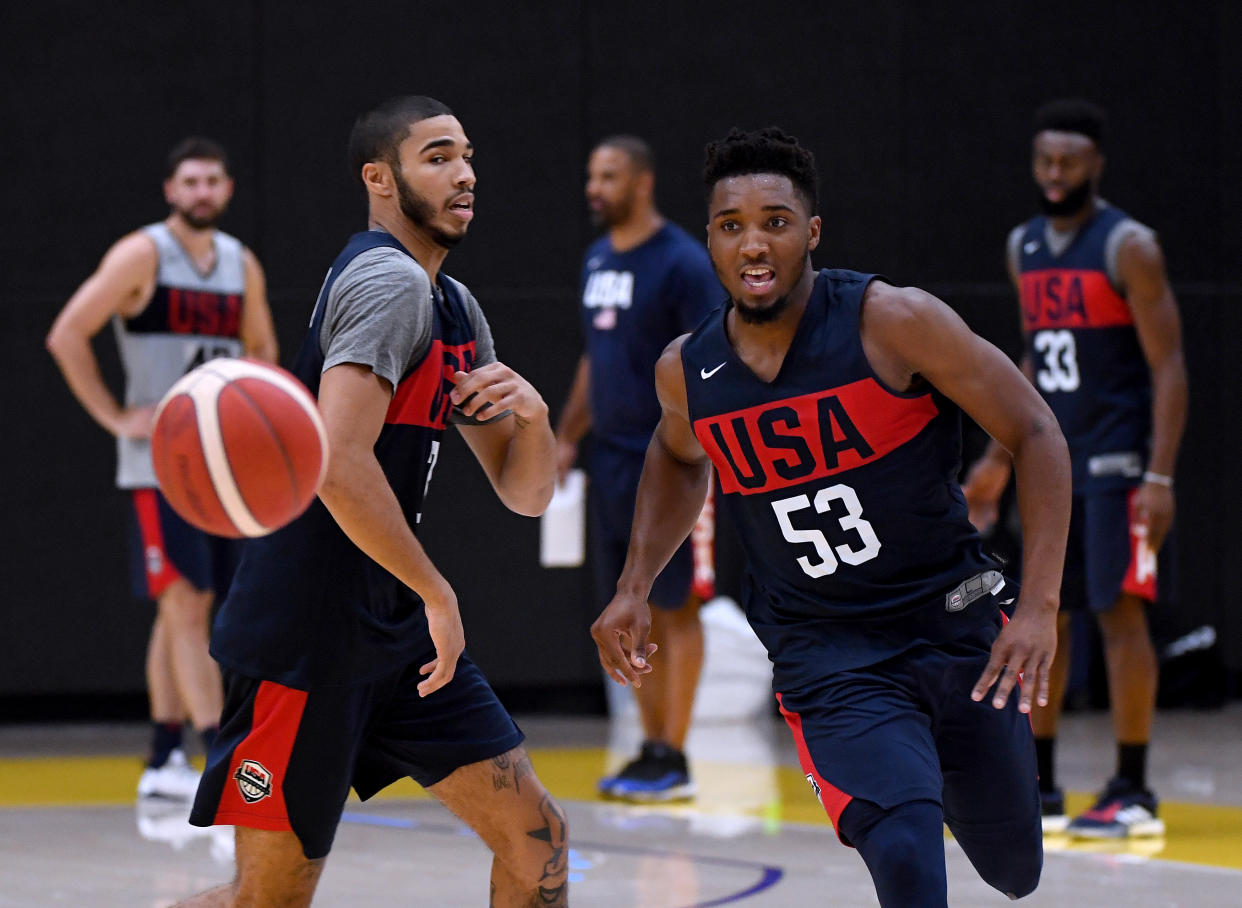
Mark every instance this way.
x=341 y=643
x=643 y=283
x=178 y=293
x=827 y=402
x=1103 y=346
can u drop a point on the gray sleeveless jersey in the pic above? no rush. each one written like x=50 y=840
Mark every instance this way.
x=190 y=318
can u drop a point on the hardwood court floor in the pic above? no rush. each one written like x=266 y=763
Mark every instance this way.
x=70 y=833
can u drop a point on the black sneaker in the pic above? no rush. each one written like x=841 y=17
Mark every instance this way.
x=1121 y=812
x=1052 y=811
x=659 y=773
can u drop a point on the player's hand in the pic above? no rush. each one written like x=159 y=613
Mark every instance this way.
x=492 y=389
x=566 y=455
x=1153 y=508
x=984 y=485
x=620 y=634
x=1025 y=646
x=135 y=422
x=448 y=637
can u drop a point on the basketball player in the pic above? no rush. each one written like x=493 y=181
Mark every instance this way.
x=178 y=293
x=828 y=404
x=1104 y=348
x=342 y=645
x=643 y=283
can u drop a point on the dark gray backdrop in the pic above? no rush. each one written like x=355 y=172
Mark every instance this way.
x=918 y=115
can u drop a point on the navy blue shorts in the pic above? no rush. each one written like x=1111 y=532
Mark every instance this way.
x=906 y=729
x=1104 y=555
x=285 y=759
x=164 y=548
x=613 y=492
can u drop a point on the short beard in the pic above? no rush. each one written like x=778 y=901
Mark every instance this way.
x=764 y=316
x=197 y=222
x=420 y=211
x=1075 y=201
x=612 y=215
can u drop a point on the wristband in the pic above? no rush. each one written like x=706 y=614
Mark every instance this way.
x=1158 y=479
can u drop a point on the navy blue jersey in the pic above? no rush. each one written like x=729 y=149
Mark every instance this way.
x=1086 y=356
x=633 y=304
x=844 y=493
x=307 y=607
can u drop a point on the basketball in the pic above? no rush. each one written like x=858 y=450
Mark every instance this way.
x=239 y=447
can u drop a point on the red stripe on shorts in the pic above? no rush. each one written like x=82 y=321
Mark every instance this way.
x=156 y=563
x=254 y=794
x=831 y=798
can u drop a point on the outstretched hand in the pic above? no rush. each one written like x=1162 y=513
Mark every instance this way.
x=620 y=634
x=1023 y=651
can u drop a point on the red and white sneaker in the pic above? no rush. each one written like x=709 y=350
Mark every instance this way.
x=1122 y=812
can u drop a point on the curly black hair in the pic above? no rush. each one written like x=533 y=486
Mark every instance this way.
x=1073 y=115
x=768 y=150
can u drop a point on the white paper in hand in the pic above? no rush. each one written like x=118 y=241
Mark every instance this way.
x=562 y=529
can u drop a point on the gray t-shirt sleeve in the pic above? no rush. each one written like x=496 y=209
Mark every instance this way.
x=484 y=345
x=378 y=314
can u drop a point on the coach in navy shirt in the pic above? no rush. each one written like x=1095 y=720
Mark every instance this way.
x=644 y=282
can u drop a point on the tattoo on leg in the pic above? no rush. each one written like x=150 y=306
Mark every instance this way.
x=521 y=768
x=519 y=763
x=500 y=772
x=554 y=884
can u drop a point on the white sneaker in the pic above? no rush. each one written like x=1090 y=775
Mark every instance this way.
x=176 y=780
x=162 y=820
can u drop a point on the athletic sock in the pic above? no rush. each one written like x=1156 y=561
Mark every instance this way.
x=165 y=738
x=208 y=735
x=1132 y=764
x=1043 y=763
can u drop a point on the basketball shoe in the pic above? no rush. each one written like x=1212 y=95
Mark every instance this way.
x=659 y=773
x=1122 y=811
x=1052 y=811
x=176 y=780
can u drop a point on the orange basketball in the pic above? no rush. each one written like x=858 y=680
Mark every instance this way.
x=239 y=447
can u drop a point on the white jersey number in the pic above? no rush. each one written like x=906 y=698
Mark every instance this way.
x=829 y=555
x=1060 y=369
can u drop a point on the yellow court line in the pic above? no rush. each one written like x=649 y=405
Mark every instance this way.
x=1204 y=834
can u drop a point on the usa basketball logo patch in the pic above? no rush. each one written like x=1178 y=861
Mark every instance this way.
x=254 y=781
x=819 y=794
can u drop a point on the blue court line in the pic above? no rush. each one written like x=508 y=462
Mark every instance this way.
x=769 y=875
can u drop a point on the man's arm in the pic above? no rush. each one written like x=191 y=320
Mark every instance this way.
x=517 y=451
x=988 y=476
x=671 y=492
x=575 y=420
x=1140 y=265
x=258 y=334
x=121 y=286
x=910 y=334
x=353 y=401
